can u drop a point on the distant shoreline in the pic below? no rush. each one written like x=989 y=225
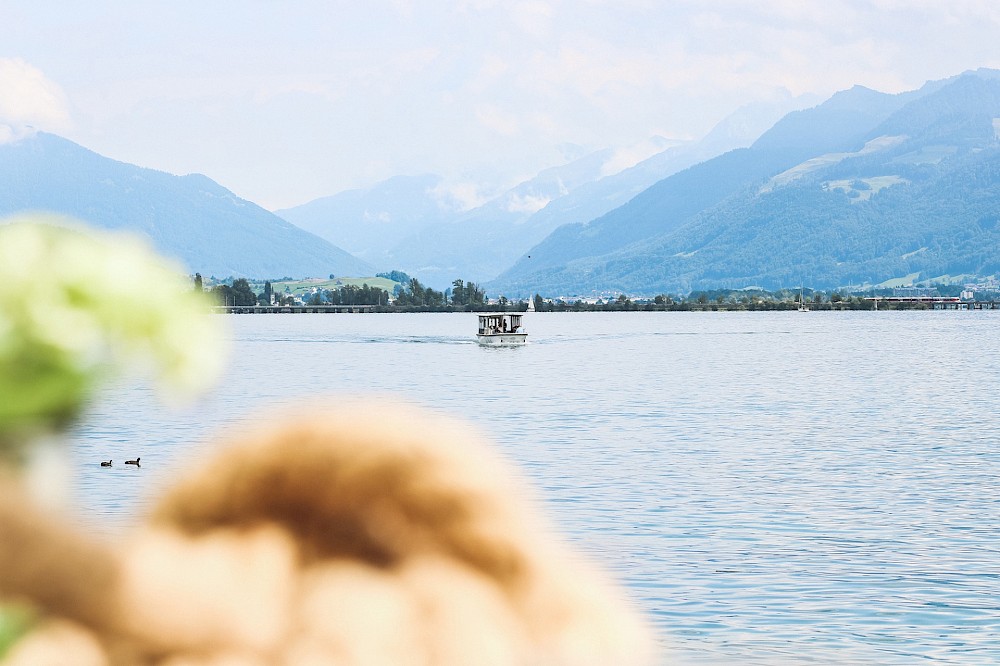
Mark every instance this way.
x=862 y=306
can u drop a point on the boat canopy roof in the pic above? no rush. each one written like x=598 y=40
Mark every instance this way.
x=499 y=322
x=498 y=317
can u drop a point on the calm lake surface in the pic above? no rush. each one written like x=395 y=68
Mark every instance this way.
x=773 y=488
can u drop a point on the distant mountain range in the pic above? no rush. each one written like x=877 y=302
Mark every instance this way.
x=861 y=189
x=369 y=222
x=408 y=223
x=190 y=218
x=864 y=188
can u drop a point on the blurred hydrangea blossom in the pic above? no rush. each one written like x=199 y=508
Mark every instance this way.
x=77 y=305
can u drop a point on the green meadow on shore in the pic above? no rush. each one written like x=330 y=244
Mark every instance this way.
x=305 y=287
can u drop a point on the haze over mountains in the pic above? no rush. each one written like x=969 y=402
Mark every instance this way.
x=190 y=218
x=863 y=188
x=410 y=223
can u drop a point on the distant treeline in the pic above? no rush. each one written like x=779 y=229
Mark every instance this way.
x=698 y=301
x=462 y=296
x=737 y=300
x=411 y=296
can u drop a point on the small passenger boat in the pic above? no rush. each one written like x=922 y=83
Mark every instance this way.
x=501 y=328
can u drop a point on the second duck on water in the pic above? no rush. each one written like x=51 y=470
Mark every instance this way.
x=133 y=462
x=106 y=464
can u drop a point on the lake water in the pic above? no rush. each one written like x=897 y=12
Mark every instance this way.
x=773 y=488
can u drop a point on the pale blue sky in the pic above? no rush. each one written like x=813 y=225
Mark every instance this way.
x=284 y=102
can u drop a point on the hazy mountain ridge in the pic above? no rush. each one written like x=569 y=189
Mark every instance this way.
x=838 y=124
x=480 y=243
x=368 y=222
x=427 y=235
x=864 y=187
x=922 y=199
x=190 y=218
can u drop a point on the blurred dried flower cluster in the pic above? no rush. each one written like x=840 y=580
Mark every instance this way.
x=366 y=536
x=76 y=306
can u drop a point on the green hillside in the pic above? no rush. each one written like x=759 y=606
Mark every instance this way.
x=915 y=192
x=305 y=287
x=189 y=218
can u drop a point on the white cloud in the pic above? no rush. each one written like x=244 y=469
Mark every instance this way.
x=629 y=156
x=498 y=120
x=336 y=95
x=266 y=93
x=533 y=18
x=461 y=196
x=28 y=100
x=489 y=74
x=377 y=217
x=527 y=204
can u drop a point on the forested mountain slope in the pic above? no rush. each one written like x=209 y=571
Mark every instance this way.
x=864 y=188
x=190 y=218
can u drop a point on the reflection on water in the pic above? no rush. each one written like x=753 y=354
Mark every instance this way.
x=773 y=487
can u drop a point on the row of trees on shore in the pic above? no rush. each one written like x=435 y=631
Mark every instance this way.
x=410 y=295
x=413 y=296
x=699 y=302
x=461 y=295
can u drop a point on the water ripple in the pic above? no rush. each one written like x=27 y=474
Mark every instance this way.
x=774 y=488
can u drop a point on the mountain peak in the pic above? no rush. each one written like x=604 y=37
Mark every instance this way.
x=920 y=200
x=190 y=218
x=857 y=96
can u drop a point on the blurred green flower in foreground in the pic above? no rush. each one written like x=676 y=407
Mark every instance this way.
x=78 y=305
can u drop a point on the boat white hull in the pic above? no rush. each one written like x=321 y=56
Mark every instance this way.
x=499 y=339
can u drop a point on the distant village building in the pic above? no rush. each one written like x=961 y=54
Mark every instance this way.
x=988 y=284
